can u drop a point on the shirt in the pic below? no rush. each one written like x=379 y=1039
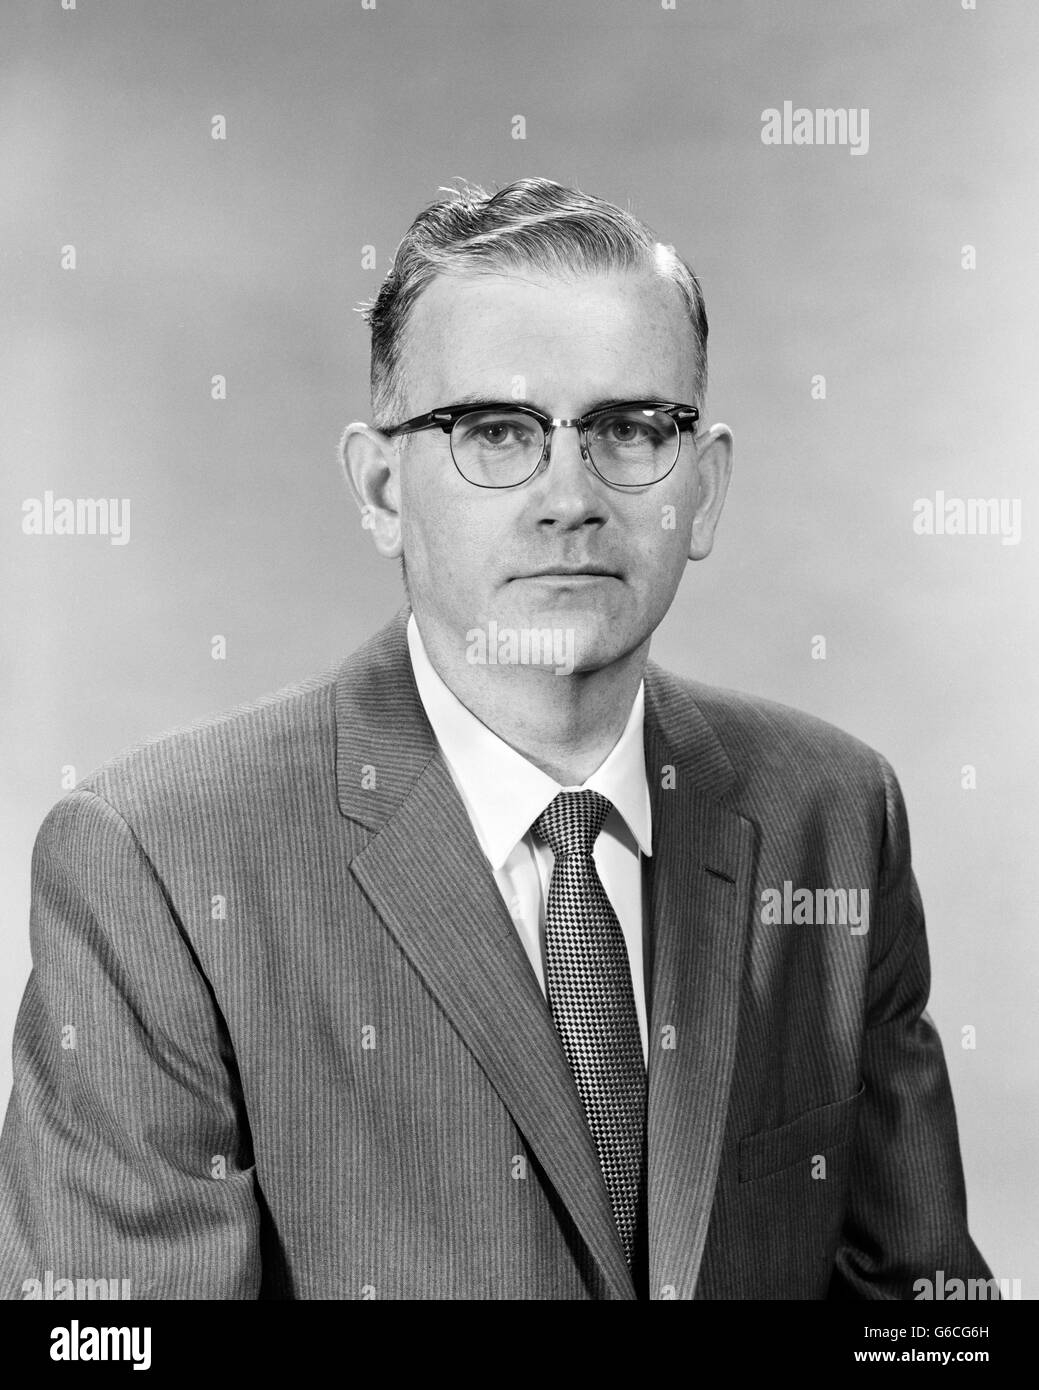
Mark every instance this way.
x=504 y=794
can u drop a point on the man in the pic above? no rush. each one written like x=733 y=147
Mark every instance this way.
x=469 y=971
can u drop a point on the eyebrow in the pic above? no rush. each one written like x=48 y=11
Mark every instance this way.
x=487 y=402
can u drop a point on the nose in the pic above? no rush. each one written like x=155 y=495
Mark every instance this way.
x=570 y=492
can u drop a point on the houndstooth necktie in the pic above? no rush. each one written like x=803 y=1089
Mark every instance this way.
x=592 y=1001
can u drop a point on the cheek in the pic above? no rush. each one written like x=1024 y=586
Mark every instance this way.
x=662 y=535
x=425 y=510
x=451 y=534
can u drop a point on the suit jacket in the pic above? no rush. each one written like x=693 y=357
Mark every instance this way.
x=281 y=1039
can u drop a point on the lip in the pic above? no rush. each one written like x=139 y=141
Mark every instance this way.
x=565 y=572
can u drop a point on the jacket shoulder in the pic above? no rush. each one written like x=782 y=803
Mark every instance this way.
x=224 y=755
x=767 y=742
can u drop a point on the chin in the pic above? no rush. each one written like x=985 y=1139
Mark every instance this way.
x=594 y=641
x=595 y=632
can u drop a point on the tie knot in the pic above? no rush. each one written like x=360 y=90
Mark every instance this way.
x=571 y=822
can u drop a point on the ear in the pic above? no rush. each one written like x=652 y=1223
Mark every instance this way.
x=713 y=469
x=371 y=466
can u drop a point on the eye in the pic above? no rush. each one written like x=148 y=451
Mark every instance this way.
x=624 y=430
x=631 y=428
x=495 y=431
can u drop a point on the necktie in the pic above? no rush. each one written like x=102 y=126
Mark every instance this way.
x=591 y=998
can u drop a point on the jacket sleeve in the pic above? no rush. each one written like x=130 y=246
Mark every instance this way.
x=906 y=1216
x=125 y=1153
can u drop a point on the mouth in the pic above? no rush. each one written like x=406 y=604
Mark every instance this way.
x=571 y=572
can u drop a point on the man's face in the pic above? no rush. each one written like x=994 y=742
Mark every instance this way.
x=565 y=347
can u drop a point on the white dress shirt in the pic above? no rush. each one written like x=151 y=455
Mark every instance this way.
x=504 y=794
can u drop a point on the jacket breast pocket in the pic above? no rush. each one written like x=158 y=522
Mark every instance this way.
x=817 y=1131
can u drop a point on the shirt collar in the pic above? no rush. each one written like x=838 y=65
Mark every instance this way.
x=503 y=792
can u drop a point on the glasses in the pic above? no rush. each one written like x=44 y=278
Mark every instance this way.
x=630 y=444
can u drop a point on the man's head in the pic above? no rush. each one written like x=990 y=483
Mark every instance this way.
x=547 y=297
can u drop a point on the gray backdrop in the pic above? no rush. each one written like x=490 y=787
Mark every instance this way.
x=243 y=257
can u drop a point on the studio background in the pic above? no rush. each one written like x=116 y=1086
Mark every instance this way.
x=243 y=257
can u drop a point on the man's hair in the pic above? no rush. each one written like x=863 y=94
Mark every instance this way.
x=533 y=224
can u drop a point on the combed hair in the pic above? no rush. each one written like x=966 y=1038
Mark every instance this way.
x=533 y=224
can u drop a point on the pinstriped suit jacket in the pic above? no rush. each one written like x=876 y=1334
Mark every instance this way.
x=281 y=1038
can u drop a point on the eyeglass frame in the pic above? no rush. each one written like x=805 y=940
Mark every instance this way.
x=447 y=416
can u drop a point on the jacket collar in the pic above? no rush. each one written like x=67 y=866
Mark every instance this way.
x=381 y=725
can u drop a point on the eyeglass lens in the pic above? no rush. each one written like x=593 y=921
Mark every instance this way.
x=632 y=446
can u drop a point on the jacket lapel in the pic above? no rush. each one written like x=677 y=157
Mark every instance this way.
x=426 y=877
x=701 y=882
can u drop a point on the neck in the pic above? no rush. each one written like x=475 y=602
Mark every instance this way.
x=564 y=725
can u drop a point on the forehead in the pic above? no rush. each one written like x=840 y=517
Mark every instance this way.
x=564 y=344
